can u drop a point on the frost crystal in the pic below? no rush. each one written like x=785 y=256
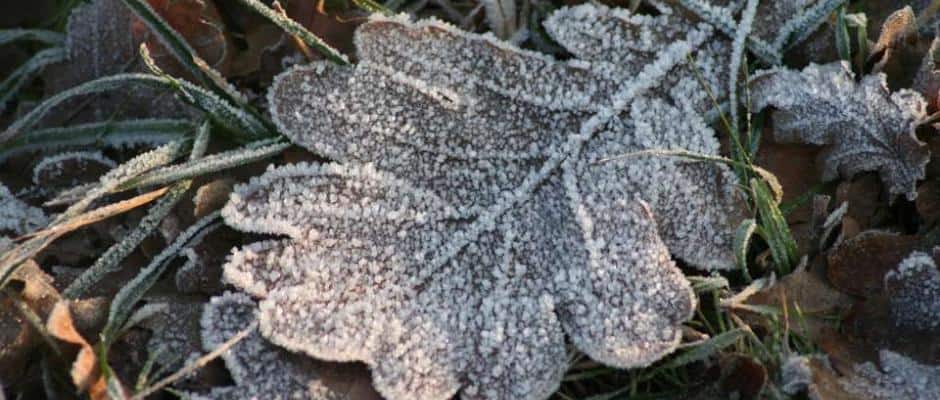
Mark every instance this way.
x=259 y=369
x=61 y=165
x=914 y=291
x=863 y=125
x=471 y=226
x=899 y=378
x=18 y=217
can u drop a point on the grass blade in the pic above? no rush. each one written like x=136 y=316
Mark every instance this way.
x=22 y=75
x=298 y=30
x=33 y=35
x=213 y=163
x=110 y=260
x=174 y=42
x=117 y=134
x=704 y=349
x=131 y=293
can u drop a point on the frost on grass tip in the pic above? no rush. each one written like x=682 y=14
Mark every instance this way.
x=863 y=126
x=471 y=225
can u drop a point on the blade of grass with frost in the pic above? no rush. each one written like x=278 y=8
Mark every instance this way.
x=774 y=228
x=233 y=117
x=134 y=290
x=11 y=260
x=798 y=29
x=32 y=35
x=100 y=85
x=769 y=178
x=843 y=41
x=213 y=163
x=116 y=134
x=297 y=29
x=705 y=284
x=24 y=73
x=172 y=40
x=737 y=55
x=373 y=7
x=144 y=162
x=742 y=242
x=110 y=261
x=242 y=125
x=699 y=351
x=723 y=21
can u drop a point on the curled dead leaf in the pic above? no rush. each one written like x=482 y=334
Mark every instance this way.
x=86 y=374
x=858 y=265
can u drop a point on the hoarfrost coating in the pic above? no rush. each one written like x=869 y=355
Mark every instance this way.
x=471 y=226
x=864 y=126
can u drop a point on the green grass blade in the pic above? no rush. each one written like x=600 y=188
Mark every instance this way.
x=297 y=29
x=24 y=73
x=742 y=242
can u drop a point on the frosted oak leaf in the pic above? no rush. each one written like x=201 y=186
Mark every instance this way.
x=469 y=226
x=863 y=126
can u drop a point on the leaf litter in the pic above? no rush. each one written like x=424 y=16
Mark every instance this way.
x=556 y=197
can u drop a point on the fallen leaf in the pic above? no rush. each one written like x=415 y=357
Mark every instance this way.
x=86 y=374
x=18 y=339
x=858 y=265
x=863 y=126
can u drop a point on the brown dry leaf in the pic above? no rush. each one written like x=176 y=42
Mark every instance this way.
x=743 y=375
x=858 y=265
x=894 y=31
x=335 y=28
x=795 y=166
x=810 y=301
x=17 y=336
x=212 y=196
x=200 y=23
x=86 y=375
x=866 y=199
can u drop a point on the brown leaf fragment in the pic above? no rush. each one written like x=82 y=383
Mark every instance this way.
x=858 y=265
x=86 y=374
x=895 y=30
x=199 y=23
x=743 y=375
x=17 y=337
x=212 y=196
x=809 y=299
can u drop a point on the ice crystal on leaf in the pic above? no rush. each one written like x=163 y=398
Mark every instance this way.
x=471 y=226
x=262 y=370
x=914 y=291
x=18 y=217
x=898 y=378
x=864 y=126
